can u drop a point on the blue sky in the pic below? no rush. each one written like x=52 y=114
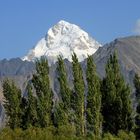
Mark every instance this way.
x=24 y=22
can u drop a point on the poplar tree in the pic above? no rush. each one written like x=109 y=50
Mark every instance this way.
x=116 y=103
x=78 y=95
x=41 y=85
x=32 y=107
x=63 y=107
x=93 y=108
x=137 y=94
x=29 y=109
x=12 y=103
x=65 y=91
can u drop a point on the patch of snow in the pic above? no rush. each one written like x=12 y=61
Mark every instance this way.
x=63 y=39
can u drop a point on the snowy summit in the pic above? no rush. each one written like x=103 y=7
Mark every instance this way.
x=63 y=39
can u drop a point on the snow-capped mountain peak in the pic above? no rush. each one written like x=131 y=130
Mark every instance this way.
x=63 y=39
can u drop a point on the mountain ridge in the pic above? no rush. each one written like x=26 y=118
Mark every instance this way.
x=63 y=39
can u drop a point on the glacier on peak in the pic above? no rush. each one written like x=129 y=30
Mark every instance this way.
x=63 y=39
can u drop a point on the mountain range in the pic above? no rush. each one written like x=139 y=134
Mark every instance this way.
x=63 y=39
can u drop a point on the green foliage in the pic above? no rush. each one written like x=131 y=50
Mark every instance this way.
x=137 y=86
x=29 y=109
x=41 y=84
x=66 y=130
x=79 y=92
x=137 y=94
x=62 y=111
x=60 y=116
x=93 y=114
x=51 y=133
x=64 y=87
x=34 y=133
x=12 y=103
x=122 y=135
x=116 y=103
x=29 y=134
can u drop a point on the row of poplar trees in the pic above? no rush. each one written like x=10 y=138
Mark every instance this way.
x=91 y=107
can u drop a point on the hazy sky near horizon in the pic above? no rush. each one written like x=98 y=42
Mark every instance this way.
x=24 y=22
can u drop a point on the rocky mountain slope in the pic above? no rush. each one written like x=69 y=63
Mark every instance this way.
x=128 y=50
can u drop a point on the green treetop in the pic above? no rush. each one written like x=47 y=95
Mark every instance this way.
x=116 y=103
x=78 y=95
x=93 y=108
x=12 y=103
x=137 y=94
x=41 y=85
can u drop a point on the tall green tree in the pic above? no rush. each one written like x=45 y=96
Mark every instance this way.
x=93 y=108
x=65 y=91
x=29 y=109
x=137 y=94
x=116 y=103
x=64 y=104
x=78 y=95
x=12 y=103
x=41 y=85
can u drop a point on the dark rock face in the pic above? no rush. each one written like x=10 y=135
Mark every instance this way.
x=15 y=67
x=128 y=54
x=128 y=50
